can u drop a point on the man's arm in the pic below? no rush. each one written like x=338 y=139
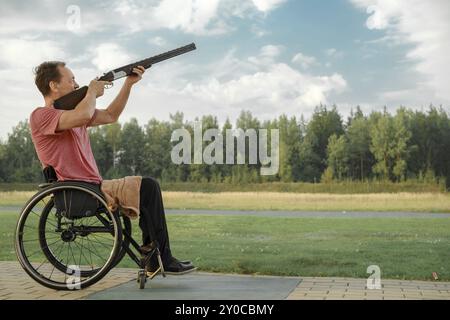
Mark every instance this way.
x=84 y=111
x=112 y=113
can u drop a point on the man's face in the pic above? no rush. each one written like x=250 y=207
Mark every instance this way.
x=67 y=84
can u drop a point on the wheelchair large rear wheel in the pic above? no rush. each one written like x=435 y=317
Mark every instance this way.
x=53 y=258
x=66 y=253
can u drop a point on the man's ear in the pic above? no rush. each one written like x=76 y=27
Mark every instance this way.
x=53 y=86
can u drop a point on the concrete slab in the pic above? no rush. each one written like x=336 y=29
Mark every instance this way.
x=203 y=286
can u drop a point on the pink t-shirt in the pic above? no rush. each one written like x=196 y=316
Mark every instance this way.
x=68 y=152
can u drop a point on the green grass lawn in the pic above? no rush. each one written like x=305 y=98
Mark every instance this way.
x=404 y=248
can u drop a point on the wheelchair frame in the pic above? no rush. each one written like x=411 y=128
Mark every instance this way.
x=68 y=231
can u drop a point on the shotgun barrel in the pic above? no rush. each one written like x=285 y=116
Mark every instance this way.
x=71 y=100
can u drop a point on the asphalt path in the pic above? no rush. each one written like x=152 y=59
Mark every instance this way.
x=294 y=214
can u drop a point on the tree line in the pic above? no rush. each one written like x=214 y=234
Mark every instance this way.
x=409 y=144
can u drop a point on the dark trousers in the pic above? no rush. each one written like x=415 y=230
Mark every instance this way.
x=152 y=218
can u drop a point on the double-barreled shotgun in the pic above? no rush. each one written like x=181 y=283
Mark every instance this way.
x=71 y=100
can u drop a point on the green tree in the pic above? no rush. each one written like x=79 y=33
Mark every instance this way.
x=204 y=172
x=101 y=149
x=389 y=146
x=359 y=156
x=313 y=151
x=3 y=173
x=131 y=149
x=113 y=135
x=157 y=150
x=19 y=156
x=247 y=172
x=226 y=170
x=337 y=156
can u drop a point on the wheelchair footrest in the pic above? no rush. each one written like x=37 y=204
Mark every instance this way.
x=144 y=273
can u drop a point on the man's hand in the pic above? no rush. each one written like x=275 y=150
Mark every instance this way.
x=116 y=107
x=98 y=87
x=136 y=76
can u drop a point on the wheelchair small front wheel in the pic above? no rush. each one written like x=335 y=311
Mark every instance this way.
x=66 y=253
x=142 y=279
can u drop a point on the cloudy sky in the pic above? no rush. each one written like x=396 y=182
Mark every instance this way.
x=267 y=56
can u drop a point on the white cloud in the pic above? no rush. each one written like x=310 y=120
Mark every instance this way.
x=201 y=17
x=267 y=5
x=18 y=17
x=304 y=60
x=190 y=16
x=332 y=52
x=426 y=26
x=107 y=55
x=271 y=51
x=125 y=7
x=258 y=31
x=28 y=53
x=379 y=19
x=157 y=41
x=266 y=55
x=230 y=67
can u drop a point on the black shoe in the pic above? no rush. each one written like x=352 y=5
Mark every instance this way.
x=176 y=267
x=146 y=249
x=186 y=262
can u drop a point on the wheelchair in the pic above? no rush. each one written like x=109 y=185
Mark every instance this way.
x=67 y=237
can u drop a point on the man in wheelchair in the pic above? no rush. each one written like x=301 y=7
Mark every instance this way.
x=61 y=141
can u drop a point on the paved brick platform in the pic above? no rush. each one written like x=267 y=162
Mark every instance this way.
x=15 y=284
x=356 y=289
